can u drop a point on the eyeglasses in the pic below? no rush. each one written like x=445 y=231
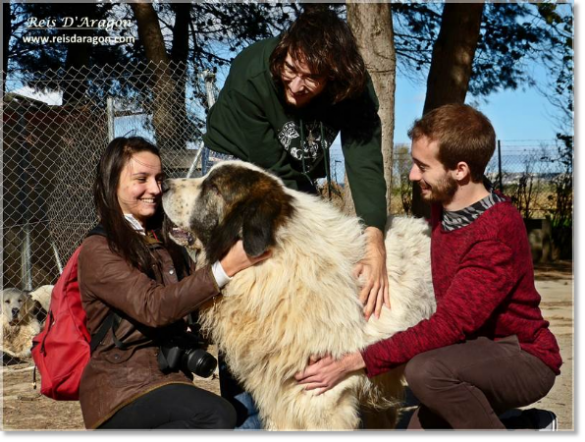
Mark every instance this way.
x=289 y=73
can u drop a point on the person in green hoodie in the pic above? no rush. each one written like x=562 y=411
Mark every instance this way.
x=284 y=102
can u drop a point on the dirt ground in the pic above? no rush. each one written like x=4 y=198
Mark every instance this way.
x=24 y=409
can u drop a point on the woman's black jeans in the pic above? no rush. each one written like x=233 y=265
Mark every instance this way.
x=176 y=406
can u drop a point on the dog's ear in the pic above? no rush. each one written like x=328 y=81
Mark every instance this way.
x=28 y=304
x=255 y=208
x=39 y=312
x=259 y=225
x=255 y=220
x=265 y=213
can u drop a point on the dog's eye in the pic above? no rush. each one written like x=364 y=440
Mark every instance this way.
x=7 y=301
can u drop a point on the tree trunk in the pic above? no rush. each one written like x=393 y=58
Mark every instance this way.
x=450 y=71
x=76 y=71
x=77 y=61
x=180 y=50
x=371 y=23
x=149 y=32
x=179 y=56
x=453 y=55
x=164 y=92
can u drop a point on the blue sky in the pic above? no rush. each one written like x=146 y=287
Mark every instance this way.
x=516 y=115
x=522 y=118
x=522 y=114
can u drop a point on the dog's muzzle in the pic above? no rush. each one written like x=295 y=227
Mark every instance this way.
x=14 y=321
x=182 y=236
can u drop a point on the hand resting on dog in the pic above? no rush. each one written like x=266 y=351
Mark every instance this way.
x=236 y=259
x=326 y=372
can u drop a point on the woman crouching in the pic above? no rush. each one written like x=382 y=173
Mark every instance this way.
x=143 y=285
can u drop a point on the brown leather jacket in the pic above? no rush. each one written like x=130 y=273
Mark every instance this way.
x=114 y=377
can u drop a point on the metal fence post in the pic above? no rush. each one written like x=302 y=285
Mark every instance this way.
x=24 y=190
x=111 y=119
x=209 y=89
x=57 y=257
x=193 y=167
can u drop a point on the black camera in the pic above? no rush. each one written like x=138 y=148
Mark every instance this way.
x=184 y=352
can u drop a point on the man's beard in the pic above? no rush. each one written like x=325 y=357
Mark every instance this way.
x=441 y=192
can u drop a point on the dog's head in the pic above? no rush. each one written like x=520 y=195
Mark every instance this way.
x=235 y=200
x=16 y=306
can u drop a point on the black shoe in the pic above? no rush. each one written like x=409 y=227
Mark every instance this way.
x=542 y=420
x=532 y=419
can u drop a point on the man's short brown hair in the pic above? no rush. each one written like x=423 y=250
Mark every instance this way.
x=463 y=133
x=325 y=42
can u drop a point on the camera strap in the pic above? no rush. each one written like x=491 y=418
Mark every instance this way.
x=115 y=323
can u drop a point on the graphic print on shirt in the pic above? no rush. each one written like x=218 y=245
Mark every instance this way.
x=289 y=136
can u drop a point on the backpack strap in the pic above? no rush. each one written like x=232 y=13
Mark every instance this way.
x=101 y=333
x=112 y=321
x=97 y=230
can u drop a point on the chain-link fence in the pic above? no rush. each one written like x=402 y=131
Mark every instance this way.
x=50 y=152
x=528 y=171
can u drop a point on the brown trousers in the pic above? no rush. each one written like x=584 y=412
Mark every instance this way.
x=467 y=385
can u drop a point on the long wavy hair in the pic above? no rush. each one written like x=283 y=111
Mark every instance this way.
x=325 y=42
x=122 y=238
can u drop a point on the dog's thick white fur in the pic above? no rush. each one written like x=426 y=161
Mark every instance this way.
x=42 y=295
x=303 y=300
x=19 y=325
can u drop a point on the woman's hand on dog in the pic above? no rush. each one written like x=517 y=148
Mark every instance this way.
x=375 y=292
x=236 y=259
x=326 y=372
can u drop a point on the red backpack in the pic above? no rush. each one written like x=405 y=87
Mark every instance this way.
x=63 y=348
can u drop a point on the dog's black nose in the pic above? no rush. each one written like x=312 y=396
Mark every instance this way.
x=15 y=312
x=166 y=186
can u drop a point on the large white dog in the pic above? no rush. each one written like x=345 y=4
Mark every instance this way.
x=303 y=300
x=19 y=324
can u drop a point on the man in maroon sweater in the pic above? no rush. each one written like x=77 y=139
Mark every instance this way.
x=487 y=348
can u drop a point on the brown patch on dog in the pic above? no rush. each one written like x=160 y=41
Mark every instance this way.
x=255 y=206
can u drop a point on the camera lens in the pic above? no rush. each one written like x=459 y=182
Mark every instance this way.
x=201 y=363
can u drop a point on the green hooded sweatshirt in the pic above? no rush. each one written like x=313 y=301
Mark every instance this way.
x=252 y=121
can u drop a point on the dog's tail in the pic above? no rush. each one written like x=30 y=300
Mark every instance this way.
x=384 y=391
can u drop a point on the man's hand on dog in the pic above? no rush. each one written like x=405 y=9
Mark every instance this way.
x=236 y=259
x=326 y=372
x=375 y=292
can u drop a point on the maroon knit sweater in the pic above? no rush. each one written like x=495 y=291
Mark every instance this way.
x=484 y=286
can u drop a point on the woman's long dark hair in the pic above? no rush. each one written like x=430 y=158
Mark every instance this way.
x=122 y=238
